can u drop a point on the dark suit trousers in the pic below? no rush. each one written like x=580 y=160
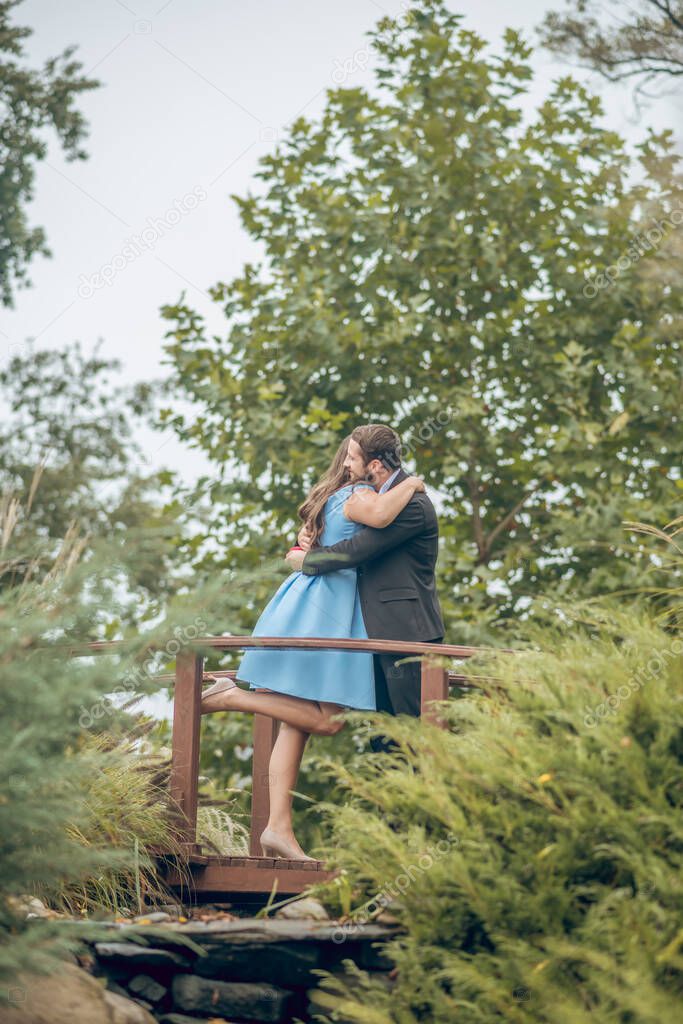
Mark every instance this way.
x=397 y=689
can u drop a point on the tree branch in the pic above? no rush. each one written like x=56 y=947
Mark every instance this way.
x=504 y=523
x=665 y=7
x=649 y=45
x=483 y=541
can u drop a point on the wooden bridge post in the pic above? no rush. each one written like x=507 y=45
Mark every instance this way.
x=187 y=699
x=265 y=734
x=434 y=687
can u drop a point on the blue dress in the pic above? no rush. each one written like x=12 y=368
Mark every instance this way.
x=323 y=606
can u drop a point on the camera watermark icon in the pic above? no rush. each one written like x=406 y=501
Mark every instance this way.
x=522 y=994
x=269 y=134
x=269 y=778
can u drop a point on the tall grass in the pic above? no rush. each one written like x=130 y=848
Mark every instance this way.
x=128 y=810
x=671 y=597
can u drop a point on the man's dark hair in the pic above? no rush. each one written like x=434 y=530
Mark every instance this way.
x=376 y=441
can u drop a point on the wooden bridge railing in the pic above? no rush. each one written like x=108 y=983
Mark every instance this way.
x=187 y=713
x=189 y=674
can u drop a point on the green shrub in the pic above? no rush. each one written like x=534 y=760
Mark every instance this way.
x=533 y=850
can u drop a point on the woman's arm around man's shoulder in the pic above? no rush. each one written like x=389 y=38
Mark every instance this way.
x=364 y=505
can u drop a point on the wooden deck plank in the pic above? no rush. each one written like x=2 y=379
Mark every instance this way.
x=264 y=862
x=221 y=876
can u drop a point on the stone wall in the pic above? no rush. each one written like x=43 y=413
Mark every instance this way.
x=248 y=969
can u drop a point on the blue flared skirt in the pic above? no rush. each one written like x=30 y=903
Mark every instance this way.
x=314 y=606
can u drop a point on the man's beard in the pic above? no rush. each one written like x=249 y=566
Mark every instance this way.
x=366 y=477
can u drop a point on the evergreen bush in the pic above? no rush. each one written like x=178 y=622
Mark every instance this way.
x=533 y=850
x=79 y=802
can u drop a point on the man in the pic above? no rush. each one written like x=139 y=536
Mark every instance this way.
x=395 y=569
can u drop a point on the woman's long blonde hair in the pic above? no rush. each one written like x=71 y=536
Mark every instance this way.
x=334 y=477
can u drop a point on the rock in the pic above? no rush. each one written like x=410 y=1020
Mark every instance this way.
x=264 y=1003
x=172 y=909
x=129 y=954
x=282 y=963
x=303 y=908
x=126 y=1011
x=29 y=906
x=147 y=988
x=69 y=996
x=260 y=929
x=118 y=989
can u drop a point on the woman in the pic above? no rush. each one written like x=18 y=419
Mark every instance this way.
x=306 y=690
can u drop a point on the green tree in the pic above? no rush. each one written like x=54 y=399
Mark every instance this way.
x=31 y=102
x=69 y=415
x=436 y=260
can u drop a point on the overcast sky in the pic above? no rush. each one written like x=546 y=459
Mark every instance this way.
x=193 y=94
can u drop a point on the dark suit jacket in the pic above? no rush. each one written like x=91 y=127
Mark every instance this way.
x=395 y=572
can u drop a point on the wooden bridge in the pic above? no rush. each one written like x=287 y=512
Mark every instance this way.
x=213 y=875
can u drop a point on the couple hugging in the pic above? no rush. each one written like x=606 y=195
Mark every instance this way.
x=364 y=568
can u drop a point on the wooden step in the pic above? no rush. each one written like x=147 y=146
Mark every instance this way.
x=225 y=875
